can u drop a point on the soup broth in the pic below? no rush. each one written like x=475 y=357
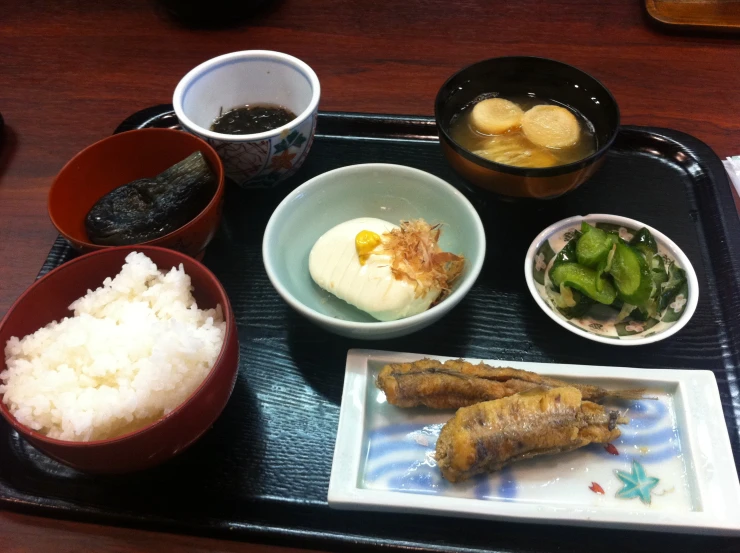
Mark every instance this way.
x=541 y=146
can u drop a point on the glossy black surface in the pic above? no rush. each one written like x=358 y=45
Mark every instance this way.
x=252 y=119
x=261 y=473
x=151 y=207
x=547 y=79
x=211 y=14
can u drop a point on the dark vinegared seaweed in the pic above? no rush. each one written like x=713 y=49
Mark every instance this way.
x=252 y=119
x=148 y=208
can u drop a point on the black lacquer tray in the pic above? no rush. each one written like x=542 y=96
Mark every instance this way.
x=261 y=473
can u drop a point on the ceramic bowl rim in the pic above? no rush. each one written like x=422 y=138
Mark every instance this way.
x=230 y=329
x=525 y=171
x=193 y=74
x=217 y=196
x=676 y=252
x=431 y=314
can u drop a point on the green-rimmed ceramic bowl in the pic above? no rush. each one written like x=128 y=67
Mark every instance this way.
x=390 y=192
x=599 y=323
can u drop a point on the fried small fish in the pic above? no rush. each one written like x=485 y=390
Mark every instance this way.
x=488 y=436
x=455 y=384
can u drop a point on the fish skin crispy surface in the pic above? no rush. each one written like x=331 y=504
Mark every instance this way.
x=488 y=436
x=455 y=384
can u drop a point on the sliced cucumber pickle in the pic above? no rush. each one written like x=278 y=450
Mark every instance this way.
x=593 y=247
x=583 y=279
x=644 y=241
x=566 y=255
x=631 y=275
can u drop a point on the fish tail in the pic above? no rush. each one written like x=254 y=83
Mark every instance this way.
x=637 y=393
x=615 y=418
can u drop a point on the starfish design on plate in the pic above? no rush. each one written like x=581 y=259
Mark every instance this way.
x=636 y=483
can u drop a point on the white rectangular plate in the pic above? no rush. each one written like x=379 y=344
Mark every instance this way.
x=384 y=457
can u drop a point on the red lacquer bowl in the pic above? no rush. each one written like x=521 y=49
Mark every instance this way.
x=120 y=159
x=47 y=300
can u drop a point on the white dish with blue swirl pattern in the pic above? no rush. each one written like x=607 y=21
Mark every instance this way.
x=672 y=469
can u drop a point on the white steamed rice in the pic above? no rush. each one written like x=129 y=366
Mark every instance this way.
x=134 y=350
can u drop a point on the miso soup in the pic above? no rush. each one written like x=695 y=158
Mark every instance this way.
x=523 y=131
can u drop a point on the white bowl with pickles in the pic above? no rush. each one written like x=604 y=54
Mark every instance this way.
x=611 y=279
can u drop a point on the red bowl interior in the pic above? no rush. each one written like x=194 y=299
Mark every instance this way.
x=47 y=300
x=115 y=161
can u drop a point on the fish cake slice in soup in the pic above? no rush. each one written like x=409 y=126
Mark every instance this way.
x=551 y=126
x=495 y=116
x=517 y=151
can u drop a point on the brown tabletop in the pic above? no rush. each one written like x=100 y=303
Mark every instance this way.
x=71 y=70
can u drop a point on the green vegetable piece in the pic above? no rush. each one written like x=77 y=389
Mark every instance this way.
x=603 y=267
x=614 y=235
x=675 y=309
x=625 y=311
x=582 y=305
x=644 y=241
x=660 y=276
x=631 y=275
x=593 y=247
x=639 y=315
x=566 y=255
x=659 y=272
x=649 y=309
x=670 y=288
x=583 y=279
x=600 y=270
x=571 y=303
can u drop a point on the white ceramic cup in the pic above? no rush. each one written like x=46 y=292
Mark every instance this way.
x=252 y=77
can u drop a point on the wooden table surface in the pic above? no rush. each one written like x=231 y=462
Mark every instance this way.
x=71 y=70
